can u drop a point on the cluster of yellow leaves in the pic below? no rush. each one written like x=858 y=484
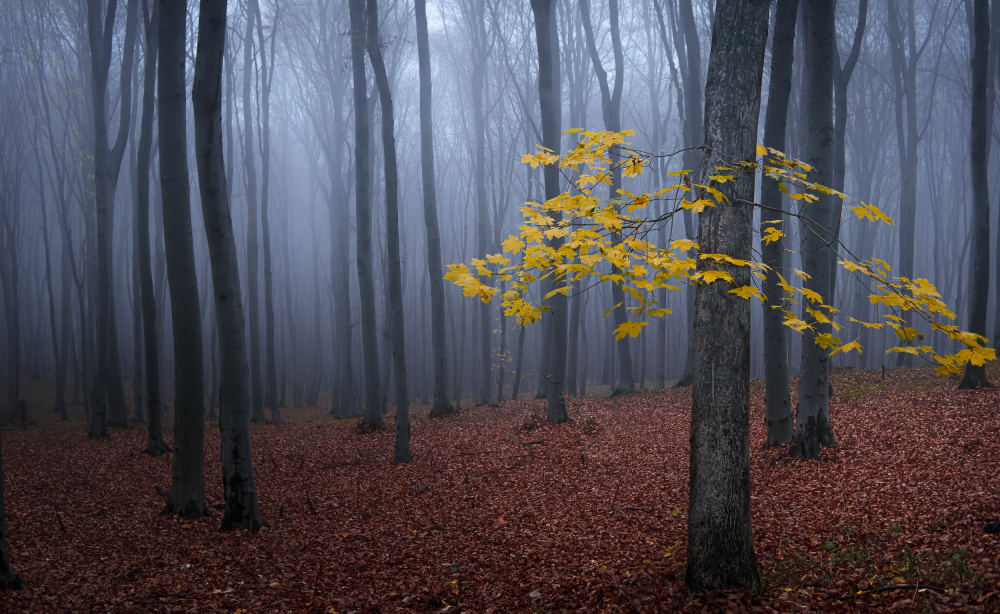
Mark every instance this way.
x=598 y=233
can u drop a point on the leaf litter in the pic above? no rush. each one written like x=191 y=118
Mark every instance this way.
x=502 y=512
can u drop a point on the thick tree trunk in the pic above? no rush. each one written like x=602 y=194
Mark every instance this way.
x=395 y=313
x=777 y=401
x=975 y=377
x=238 y=482
x=720 y=552
x=435 y=271
x=187 y=486
x=812 y=418
x=372 y=413
x=549 y=95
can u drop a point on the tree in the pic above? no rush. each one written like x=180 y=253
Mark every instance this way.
x=549 y=96
x=107 y=166
x=395 y=314
x=435 y=270
x=155 y=445
x=777 y=401
x=252 y=255
x=187 y=484
x=812 y=418
x=975 y=375
x=720 y=552
x=611 y=105
x=372 y=413
x=239 y=484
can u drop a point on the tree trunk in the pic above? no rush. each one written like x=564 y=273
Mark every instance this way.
x=720 y=552
x=975 y=376
x=549 y=95
x=395 y=314
x=777 y=401
x=441 y=405
x=266 y=79
x=155 y=445
x=252 y=251
x=239 y=484
x=8 y=577
x=107 y=165
x=812 y=418
x=372 y=413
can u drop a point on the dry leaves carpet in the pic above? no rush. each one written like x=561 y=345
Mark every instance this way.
x=502 y=512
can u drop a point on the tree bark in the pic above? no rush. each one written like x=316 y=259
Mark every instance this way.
x=549 y=95
x=975 y=376
x=155 y=445
x=777 y=400
x=720 y=552
x=372 y=413
x=812 y=418
x=8 y=577
x=395 y=314
x=239 y=484
x=435 y=271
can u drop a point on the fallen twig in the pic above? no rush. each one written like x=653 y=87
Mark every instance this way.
x=895 y=587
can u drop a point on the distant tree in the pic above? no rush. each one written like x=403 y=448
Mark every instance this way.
x=549 y=95
x=107 y=166
x=238 y=482
x=435 y=270
x=372 y=413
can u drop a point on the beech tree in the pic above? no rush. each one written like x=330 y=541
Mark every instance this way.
x=239 y=484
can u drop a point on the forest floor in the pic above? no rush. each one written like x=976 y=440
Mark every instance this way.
x=500 y=511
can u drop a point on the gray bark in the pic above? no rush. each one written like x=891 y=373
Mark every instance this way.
x=777 y=401
x=187 y=483
x=372 y=413
x=8 y=577
x=107 y=166
x=395 y=313
x=812 y=418
x=239 y=484
x=975 y=377
x=611 y=104
x=252 y=247
x=720 y=551
x=435 y=271
x=155 y=445
x=550 y=95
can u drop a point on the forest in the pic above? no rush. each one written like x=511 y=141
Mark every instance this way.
x=499 y=305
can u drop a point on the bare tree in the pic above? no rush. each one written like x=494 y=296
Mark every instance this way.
x=239 y=484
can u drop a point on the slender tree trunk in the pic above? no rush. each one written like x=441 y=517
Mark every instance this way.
x=395 y=313
x=362 y=189
x=777 y=399
x=266 y=79
x=720 y=552
x=435 y=271
x=238 y=482
x=252 y=249
x=975 y=377
x=550 y=95
x=812 y=418
x=155 y=445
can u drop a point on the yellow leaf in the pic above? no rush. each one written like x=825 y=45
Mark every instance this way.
x=605 y=314
x=761 y=150
x=745 y=292
x=684 y=244
x=698 y=205
x=770 y=235
x=847 y=347
x=721 y=178
x=564 y=290
x=713 y=275
x=629 y=328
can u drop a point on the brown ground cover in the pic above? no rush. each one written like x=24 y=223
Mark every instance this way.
x=502 y=512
